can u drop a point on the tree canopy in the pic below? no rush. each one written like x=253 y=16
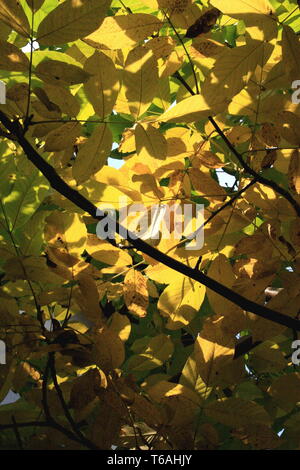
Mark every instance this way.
x=163 y=339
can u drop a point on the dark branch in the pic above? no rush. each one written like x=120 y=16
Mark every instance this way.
x=64 y=405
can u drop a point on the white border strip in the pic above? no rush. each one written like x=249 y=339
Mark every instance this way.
x=2 y=92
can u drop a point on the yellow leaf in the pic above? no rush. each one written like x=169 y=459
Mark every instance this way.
x=206 y=186
x=85 y=388
x=62 y=137
x=66 y=230
x=71 y=20
x=67 y=103
x=120 y=325
x=108 y=350
x=30 y=267
x=106 y=253
x=235 y=412
x=294 y=171
x=151 y=146
x=106 y=427
x=89 y=297
x=136 y=294
x=180 y=301
x=220 y=270
x=181 y=402
x=60 y=73
x=152 y=353
x=290 y=52
x=266 y=357
x=103 y=86
x=236 y=8
x=119 y=32
x=140 y=79
x=285 y=390
x=190 y=378
x=93 y=154
x=213 y=350
x=161 y=46
x=233 y=69
x=193 y=109
x=259 y=436
x=207 y=159
x=25 y=373
x=12 y=14
x=12 y=58
x=127 y=143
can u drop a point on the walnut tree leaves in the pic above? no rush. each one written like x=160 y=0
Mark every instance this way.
x=152 y=347
x=136 y=294
x=71 y=20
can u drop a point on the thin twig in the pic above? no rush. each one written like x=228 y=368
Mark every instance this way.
x=17 y=434
x=185 y=50
x=90 y=445
x=249 y=170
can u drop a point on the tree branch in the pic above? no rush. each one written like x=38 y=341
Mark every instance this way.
x=64 y=405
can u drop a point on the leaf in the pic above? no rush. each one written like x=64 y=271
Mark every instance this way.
x=290 y=52
x=233 y=69
x=136 y=293
x=62 y=137
x=259 y=436
x=220 y=270
x=213 y=350
x=103 y=86
x=32 y=268
x=11 y=58
x=190 y=378
x=108 y=350
x=140 y=79
x=118 y=32
x=35 y=5
x=62 y=97
x=120 y=325
x=237 y=8
x=180 y=301
x=106 y=253
x=181 y=402
x=152 y=353
x=89 y=297
x=235 y=412
x=93 y=154
x=71 y=20
x=193 y=109
x=106 y=427
x=267 y=358
x=24 y=198
x=285 y=390
x=205 y=185
x=294 y=171
x=86 y=387
x=56 y=72
x=66 y=231
x=12 y=14
x=151 y=146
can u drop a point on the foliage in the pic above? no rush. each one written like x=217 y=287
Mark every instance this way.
x=145 y=350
